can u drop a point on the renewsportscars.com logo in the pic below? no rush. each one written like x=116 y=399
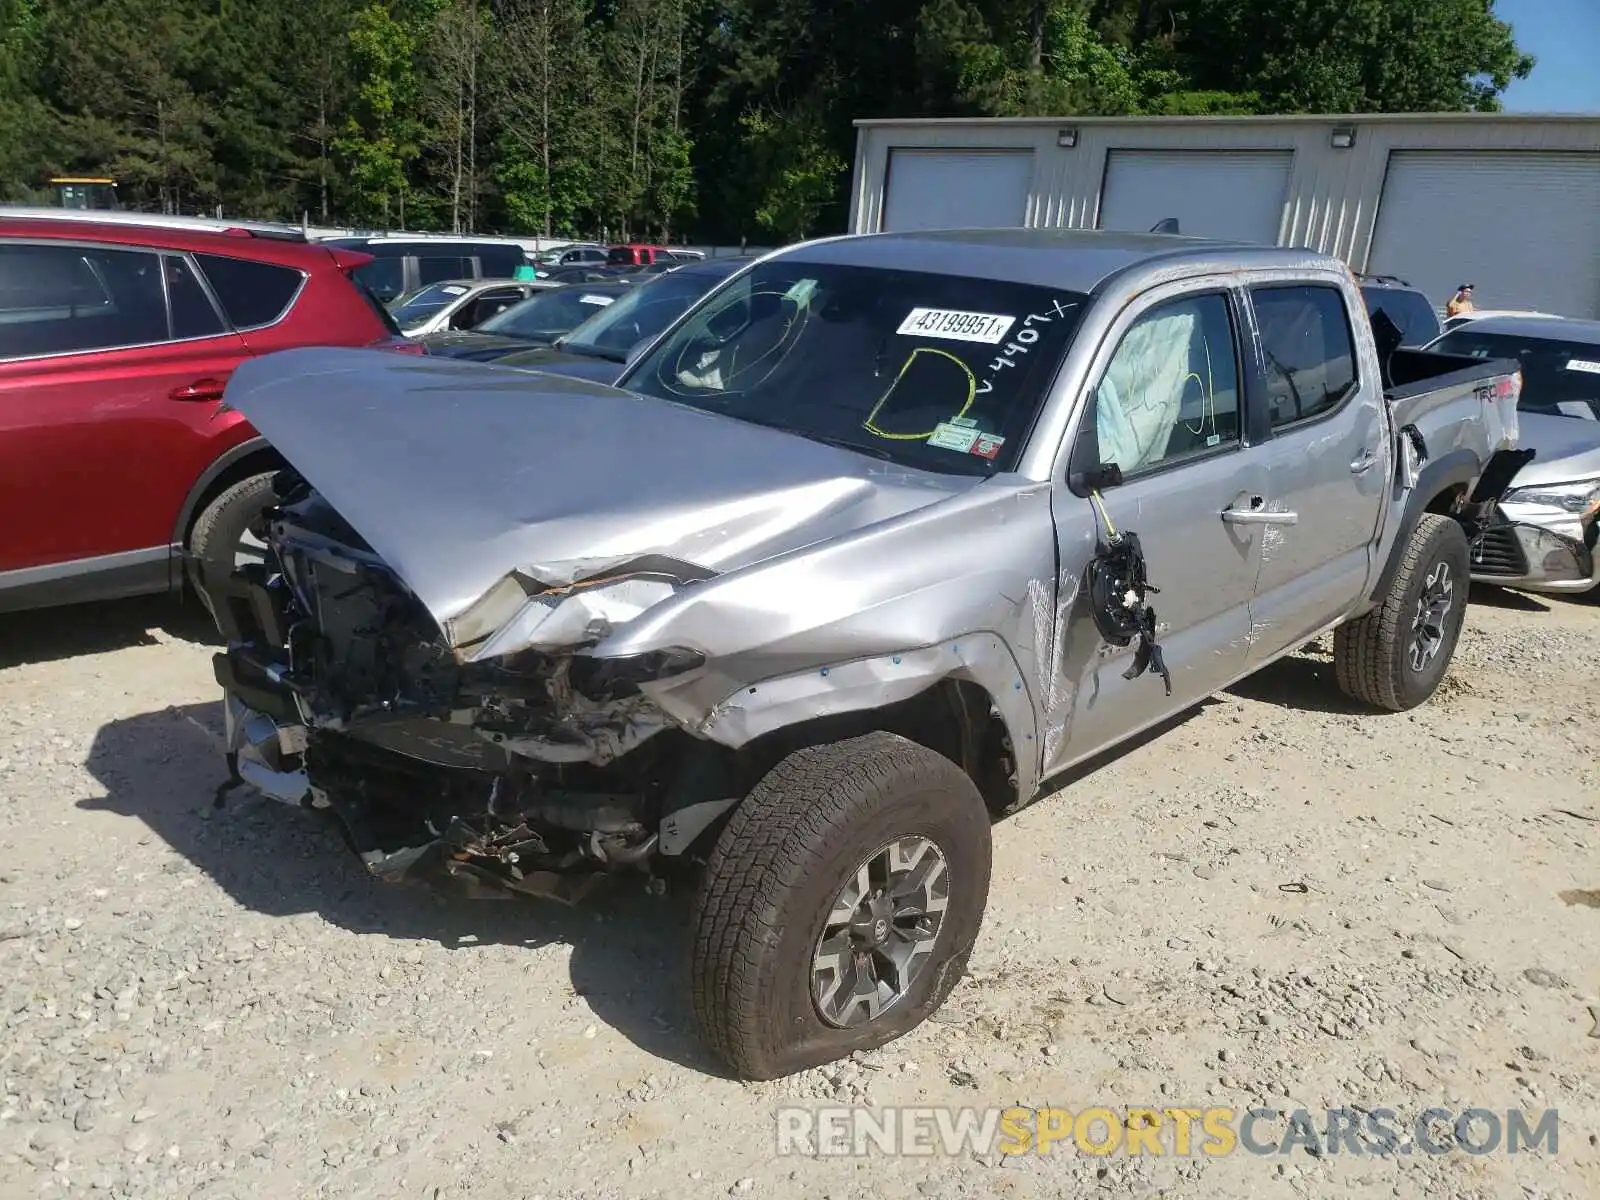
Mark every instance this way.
x=1179 y=1132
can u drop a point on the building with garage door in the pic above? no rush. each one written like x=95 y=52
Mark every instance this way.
x=1510 y=203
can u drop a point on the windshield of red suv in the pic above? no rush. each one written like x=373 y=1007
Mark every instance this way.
x=937 y=372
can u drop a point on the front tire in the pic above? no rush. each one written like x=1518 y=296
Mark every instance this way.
x=1396 y=655
x=839 y=905
x=225 y=529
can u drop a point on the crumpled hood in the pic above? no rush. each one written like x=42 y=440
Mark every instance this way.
x=459 y=475
x=1567 y=449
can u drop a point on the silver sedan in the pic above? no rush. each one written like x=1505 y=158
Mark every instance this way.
x=1549 y=520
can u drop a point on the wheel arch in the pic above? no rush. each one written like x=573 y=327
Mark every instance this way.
x=955 y=717
x=252 y=457
x=1442 y=486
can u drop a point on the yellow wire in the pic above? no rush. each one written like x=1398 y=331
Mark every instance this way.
x=972 y=392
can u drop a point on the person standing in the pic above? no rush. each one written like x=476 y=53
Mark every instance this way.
x=1461 y=302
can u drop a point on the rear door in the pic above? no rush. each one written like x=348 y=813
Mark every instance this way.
x=1326 y=463
x=112 y=365
x=1166 y=408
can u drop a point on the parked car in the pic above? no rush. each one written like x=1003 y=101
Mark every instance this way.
x=599 y=348
x=852 y=558
x=459 y=303
x=1411 y=311
x=403 y=264
x=576 y=254
x=1549 y=520
x=538 y=321
x=638 y=254
x=116 y=339
x=1467 y=318
x=584 y=274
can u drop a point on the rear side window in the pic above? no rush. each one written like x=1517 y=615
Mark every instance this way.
x=436 y=270
x=385 y=278
x=252 y=294
x=1417 y=321
x=500 y=262
x=73 y=299
x=1309 y=354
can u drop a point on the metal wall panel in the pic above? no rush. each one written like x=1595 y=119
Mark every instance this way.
x=1522 y=226
x=1232 y=194
x=1333 y=194
x=960 y=189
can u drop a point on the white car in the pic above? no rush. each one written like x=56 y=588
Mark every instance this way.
x=1484 y=314
x=1548 y=520
x=459 y=303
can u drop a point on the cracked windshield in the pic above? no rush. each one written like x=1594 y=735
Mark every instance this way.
x=941 y=373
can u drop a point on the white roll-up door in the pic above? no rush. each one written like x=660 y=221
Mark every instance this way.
x=957 y=189
x=1234 y=194
x=1523 y=227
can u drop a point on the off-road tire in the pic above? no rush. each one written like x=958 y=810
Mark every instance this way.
x=1372 y=655
x=772 y=875
x=214 y=538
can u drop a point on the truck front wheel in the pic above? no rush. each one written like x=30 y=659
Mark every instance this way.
x=1395 y=656
x=839 y=904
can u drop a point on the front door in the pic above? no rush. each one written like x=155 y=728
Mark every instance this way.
x=1165 y=408
x=1326 y=465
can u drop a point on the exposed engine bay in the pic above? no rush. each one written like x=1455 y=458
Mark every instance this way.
x=527 y=772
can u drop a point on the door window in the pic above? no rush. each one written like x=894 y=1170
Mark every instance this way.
x=492 y=304
x=1171 y=390
x=193 y=314
x=72 y=299
x=1309 y=354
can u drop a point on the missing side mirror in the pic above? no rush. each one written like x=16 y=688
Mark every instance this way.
x=1097 y=479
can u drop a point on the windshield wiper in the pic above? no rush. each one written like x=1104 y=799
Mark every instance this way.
x=841 y=443
x=590 y=350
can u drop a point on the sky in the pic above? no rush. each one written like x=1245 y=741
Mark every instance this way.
x=1564 y=35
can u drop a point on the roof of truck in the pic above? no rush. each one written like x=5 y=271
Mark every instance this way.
x=1077 y=260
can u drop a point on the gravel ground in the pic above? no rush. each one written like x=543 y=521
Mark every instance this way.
x=1278 y=901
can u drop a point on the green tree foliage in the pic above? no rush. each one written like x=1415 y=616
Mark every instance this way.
x=645 y=118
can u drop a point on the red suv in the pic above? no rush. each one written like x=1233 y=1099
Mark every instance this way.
x=116 y=339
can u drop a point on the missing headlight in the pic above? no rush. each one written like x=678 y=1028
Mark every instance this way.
x=606 y=679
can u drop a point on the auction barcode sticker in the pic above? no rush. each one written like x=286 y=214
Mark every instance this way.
x=955 y=326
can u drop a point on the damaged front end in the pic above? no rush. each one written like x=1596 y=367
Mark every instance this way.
x=514 y=764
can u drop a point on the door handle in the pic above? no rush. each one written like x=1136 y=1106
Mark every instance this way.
x=200 y=389
x=1364 y=461
x=1257 y=514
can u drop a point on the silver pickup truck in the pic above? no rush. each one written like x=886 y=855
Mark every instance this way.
x=880 y=537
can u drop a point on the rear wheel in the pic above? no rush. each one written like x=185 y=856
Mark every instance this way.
x=1395 y=656
x=839 y=904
